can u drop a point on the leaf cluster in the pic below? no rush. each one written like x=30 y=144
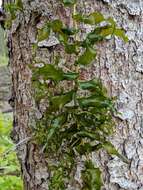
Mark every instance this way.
x=11 y=10
x=103 y=29
x=80 y=120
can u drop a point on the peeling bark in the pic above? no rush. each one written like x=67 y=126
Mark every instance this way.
x=119 y=66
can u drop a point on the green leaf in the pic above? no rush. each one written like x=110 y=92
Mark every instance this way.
x=51 y=72
x=60 y=100
x=57 y=180
x=107 y=127
x=111 y=21
x=87 y=148
x=69 y=31
x=109 y=147
x=91 y=177
x=121 y=34
x=48 y=72
x=78 y=17
x=107 y=31
x=43 y=33
x=84 y=148
x=19 y=4
x=69 y=2
x=91 y=85
x=63 y=38
x=71 y=48
x=94 y=101
x=40 y=90
x=55 y=124
x=90 y=135
x=94 y=18
x=8 y=23
x=87 y=57
x=70 y=76
x=70 y=132
x=56 y=25
x=11 y=8
x=85 y=119
x=94 y=37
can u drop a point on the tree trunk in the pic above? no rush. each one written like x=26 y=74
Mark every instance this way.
x=119 y=66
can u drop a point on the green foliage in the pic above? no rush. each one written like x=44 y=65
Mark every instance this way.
x=10 y=183
x=53 y=73
x=87 y=57
x=109 y=147
x=11 y=10
x=9 y=167
x=92 y=18
x=77 y=120
x=69 y=2
x=19 y=4
x=121 y=33
x=57 y=182
x=92 y=177
x=43 y=33
x=3 y=60
x=57 y=102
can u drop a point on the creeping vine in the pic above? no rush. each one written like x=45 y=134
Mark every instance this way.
x=79 y=115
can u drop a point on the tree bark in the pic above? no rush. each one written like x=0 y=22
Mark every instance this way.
x=119 y=66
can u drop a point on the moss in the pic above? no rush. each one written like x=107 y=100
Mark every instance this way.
x=79 y=120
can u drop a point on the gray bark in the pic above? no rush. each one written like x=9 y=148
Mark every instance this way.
x=120 y=67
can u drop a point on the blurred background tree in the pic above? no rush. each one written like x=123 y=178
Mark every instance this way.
x=10 y=178
x=3 y=49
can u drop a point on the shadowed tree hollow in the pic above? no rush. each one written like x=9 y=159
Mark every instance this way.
x=117 y=64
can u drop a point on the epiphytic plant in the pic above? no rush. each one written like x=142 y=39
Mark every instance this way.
x=79 y=115
x=78 y=119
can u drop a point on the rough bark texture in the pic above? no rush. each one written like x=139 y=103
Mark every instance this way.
x=118 y=65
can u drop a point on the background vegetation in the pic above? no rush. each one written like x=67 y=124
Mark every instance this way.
x=9 y=168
